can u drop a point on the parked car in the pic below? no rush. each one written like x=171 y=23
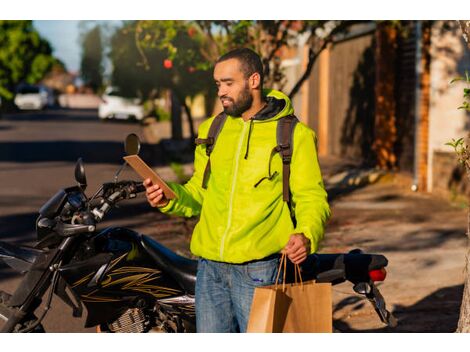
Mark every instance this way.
x=32 y=97
x=114 y=106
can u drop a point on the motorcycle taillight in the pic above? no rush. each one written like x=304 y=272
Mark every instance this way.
x=378 y=275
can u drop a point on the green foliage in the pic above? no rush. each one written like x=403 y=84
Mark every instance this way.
x=140 y=50
x=179 y=171
x=456 y=143
x=91 y=66
x=460 y=147
x=466 y=91
x=24 y=56
x=162 y=114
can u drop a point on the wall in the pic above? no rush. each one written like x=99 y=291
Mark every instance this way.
x=450 y=58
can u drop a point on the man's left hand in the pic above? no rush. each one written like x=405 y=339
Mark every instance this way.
x=297 y=248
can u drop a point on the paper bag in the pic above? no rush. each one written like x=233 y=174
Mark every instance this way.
x=300 y=307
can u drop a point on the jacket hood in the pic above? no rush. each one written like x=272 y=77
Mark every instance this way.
x=278 y=105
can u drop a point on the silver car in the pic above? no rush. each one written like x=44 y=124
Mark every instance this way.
x=32 y=97
x=115 y=106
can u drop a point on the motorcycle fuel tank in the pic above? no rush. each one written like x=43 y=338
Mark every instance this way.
x=112 y=272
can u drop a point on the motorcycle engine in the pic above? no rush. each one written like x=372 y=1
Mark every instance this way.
x=133 y=320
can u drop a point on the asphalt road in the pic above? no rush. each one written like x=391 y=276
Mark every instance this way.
x=38 y=152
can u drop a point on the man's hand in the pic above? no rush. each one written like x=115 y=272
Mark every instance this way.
x=297 y=248
x=155 y=195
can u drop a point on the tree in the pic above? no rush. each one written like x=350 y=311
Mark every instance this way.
x=192 y=47
x=146 y=68
x=91 y=66
x=463 y=152
x=268 y=38
x=25 y=57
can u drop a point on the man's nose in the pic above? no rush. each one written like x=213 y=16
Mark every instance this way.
x=221 y=92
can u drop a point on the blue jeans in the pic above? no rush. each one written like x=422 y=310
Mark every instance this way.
x=224 y=293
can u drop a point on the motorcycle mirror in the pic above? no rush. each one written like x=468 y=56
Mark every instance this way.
x=132 y=144
x=80 y=176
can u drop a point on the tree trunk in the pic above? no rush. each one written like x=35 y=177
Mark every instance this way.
x=190 y=121
x=464 y=319
x=176 y=121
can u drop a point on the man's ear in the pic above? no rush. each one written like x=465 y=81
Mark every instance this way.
x=255 y=80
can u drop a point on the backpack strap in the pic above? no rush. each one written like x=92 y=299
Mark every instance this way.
x=214 y=131
x=285 y=147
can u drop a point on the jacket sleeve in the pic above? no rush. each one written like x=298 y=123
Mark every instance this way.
x=190 y=195
x=309 y=198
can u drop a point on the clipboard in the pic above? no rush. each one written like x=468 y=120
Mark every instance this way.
x=145 y=172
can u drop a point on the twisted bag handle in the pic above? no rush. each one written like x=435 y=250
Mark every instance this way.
x=297 y=273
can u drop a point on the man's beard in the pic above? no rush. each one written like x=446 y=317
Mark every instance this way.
x=243 y=103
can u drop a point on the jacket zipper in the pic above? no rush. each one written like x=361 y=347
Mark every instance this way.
x=232 y=192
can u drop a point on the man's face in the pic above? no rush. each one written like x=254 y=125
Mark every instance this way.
x=232 y=87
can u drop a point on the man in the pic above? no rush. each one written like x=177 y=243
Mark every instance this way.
x=244 y=223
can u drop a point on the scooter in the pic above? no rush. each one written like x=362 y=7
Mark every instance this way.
x=127 y=281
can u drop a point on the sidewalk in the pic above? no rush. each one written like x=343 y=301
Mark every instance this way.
x=422 y=235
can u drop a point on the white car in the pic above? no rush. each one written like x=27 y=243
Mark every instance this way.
x=115 y=106
x=32 y=97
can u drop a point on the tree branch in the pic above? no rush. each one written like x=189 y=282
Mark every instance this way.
x=312 y=57
x=277 y=46
x=138 y=29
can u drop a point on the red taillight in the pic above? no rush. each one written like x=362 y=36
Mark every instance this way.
x=378 y=275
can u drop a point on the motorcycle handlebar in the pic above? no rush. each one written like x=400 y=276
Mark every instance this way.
x=119 y=191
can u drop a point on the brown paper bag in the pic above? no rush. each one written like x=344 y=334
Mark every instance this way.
x=300 y=307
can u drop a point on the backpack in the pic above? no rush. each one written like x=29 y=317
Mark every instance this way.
x=284 y=137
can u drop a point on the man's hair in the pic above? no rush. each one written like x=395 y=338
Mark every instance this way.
x=250 y=62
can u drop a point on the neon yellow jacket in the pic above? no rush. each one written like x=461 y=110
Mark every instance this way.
x=238 y=221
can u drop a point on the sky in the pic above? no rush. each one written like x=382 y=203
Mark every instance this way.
x=64 y=38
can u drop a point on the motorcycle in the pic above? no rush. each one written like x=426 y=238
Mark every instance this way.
x=127 y=281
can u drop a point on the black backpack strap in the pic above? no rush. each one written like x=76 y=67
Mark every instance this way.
x=214 y=131
x=285 y=147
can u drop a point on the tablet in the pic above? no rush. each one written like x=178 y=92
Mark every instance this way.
x=145 y=172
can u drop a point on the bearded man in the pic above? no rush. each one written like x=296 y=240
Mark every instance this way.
x=245 y=223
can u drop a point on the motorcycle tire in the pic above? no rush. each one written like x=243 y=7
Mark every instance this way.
x=6 y=312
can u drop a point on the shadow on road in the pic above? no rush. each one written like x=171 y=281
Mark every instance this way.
x=421 y=240
x=91 y=152
x=76 y=115
x=164 y=153
x=438 y=312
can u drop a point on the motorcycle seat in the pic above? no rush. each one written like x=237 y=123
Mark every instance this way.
x=182 y=269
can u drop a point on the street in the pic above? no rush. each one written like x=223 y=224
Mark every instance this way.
x=422 y=235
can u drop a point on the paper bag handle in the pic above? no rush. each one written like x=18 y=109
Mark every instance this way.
x=283 y=262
